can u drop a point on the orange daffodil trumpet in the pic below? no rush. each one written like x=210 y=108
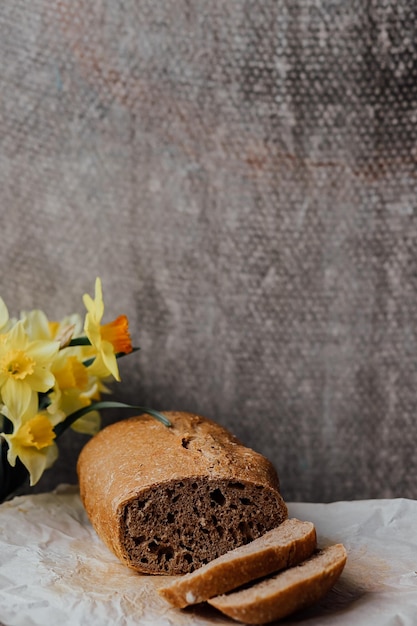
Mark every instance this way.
x=52 y=376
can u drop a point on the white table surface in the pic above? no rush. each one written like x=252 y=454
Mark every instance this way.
x=55 y=570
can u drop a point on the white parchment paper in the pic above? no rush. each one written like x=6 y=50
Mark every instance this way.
x=54 y=570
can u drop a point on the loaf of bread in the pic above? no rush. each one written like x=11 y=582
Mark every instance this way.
x=168 y=500
x=289 y=591
x=286 y=545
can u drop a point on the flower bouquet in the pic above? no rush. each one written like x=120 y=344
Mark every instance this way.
x=52 y=377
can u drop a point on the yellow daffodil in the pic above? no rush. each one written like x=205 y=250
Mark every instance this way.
x=70 y=373
x=25 y=365
x=69 y=327
x=32 y=440
x=71 y=400
x=38 y=327
x=74 y=389
x=110 y=339
x=51 y=373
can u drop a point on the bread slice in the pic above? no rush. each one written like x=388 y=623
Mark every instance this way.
x=286 y=592
x=284 y=546
x=169 y=500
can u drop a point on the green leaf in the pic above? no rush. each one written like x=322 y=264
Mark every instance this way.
x=89 y=362
x=134 y=349
x=80 y=341
x=96 y=406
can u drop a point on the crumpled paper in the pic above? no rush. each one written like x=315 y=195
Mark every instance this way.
x=55 y=570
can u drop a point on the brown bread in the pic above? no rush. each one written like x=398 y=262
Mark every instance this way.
x=289 y=591
x=284 y=546
x=169 y=500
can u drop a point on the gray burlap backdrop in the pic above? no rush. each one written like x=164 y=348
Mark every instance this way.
x=242 y=175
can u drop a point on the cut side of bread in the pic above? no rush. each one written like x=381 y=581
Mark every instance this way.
x=287 y=545
x=284 y=593
x=169 y=500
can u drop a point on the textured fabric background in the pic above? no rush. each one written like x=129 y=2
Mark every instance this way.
x=242 y=175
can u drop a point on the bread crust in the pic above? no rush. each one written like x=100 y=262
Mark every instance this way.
x=284 y=546
x=289 y=591
x=139 y=460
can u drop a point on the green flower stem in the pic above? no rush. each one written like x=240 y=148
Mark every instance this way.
x=96 y=406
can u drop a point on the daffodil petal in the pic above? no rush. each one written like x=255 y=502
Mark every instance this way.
x=72 y=320
x=109 y=359
x=51 y=455
x=98 y=369
x=56 y=416
x=11 y=452
x=98 y=298
x=88 y=302
x=95 y=307
x=17 y=336
x=88 y=424
x=21 y=408
x=16 y=395
x=37 y=461
x=36 y=324
x=42 y=351
x=67 y=403
x=4 y=313
x=92 y=330
x=41 y=380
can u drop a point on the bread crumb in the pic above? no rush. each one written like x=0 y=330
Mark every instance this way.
x=190 y=597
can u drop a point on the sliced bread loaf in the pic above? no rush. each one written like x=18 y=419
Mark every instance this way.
x=169 y=500
x=291 y=590
x=284 y=546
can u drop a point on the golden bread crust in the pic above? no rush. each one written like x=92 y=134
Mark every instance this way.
x=287 y=545
x=134 y=464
